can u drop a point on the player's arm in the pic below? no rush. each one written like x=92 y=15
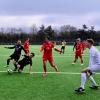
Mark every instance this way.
x=53 y=45
x=10 y=47
x=42 y=48
x=57 y=50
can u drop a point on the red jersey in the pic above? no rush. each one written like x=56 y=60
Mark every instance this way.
x=26 y=46
x=83 y=45
x=79 y=48
x=47 y=48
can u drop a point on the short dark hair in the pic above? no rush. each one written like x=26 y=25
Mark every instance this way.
x=90 y=41
x=33 y=54
x=47 y=37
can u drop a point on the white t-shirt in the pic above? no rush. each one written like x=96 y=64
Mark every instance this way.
x=94 y=56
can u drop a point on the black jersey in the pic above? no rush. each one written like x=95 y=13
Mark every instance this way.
x=25 y=61
x=18 y=48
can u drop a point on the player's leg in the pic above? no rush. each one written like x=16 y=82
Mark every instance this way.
x=94 y=85
x=86 y=73
x=20 y=68
x=8 y=61
x=83 y=78
x=15 y=61
x=61 y=50
x=81 y=58
x=45 y=69
x=83 y=81
x=10 y=58
x=76 y=58
x=44 y=65
x=15 y=65
x=94 y=68
x=52 y=64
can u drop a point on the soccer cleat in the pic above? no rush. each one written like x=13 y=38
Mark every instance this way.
x=82 y=64
x=80 y=90
x=73 y=63
x=94 y=87
x=19 y=71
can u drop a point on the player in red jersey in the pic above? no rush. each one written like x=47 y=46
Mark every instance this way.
x=47 y=54
x=26 y=46
x=79 y=49
x=84 y=46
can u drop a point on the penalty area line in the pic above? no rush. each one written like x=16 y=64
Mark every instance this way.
x=63 y=73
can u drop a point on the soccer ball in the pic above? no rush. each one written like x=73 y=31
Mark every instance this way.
x=10 y=71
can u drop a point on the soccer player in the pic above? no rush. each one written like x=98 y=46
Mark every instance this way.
x=47 y=54
x=16 y=55
x=84 y=46
x=63 y=44
x=27 y=60
x=94 y=66
x=26 y=46
x=78 y=52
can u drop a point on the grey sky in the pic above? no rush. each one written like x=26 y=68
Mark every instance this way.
x=55 y=12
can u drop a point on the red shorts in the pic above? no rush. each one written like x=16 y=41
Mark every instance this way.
x=49 y=58
x=78 y=55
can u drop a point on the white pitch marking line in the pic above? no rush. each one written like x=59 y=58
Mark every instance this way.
x=66 y=73
x=53 y=55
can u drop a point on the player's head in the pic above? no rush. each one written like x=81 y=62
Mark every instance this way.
x=19 y=42
x=32 y=54
x=89 y=43
x=54 y=42
x=46 y=39
x=28 y=39
x=78 y=40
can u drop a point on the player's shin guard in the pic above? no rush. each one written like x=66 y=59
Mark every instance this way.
x=83 y=80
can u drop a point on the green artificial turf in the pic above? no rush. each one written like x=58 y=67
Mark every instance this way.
x=54 y=87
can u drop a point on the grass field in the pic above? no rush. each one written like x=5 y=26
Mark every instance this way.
x=54 y=87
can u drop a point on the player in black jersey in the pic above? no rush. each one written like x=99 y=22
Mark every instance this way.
x=16 y=55
x=27 y=60
x=63 y=44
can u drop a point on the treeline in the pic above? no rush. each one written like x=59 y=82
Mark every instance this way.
x=37 y=35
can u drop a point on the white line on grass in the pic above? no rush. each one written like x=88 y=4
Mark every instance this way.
x=53 y=56
x=66 y=73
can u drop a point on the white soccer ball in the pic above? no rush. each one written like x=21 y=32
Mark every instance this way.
x=10 y=71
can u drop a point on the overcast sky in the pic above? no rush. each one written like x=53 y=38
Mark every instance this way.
x=25 y=13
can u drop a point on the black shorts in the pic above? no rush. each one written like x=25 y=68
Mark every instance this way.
x=63 y=47
x=15 y=57
x=21 y=63
x=21 y=67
